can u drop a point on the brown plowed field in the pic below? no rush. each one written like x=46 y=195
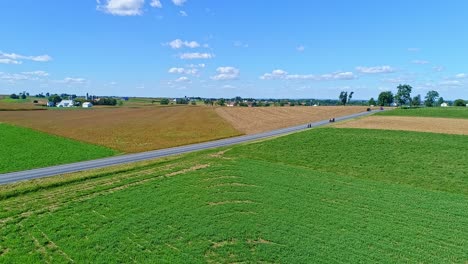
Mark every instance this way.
x=128 y=129
x=421 y=124
x=251 y=120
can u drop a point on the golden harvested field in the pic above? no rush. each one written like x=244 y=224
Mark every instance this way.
x=128 y=129
x=251 y=120
x=421 y=124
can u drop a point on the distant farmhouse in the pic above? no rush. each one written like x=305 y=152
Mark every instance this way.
x=66 y=103
x=87 y=105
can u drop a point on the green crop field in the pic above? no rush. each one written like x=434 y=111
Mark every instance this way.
x=447 y=112
x=322 y=196
x=23 y=148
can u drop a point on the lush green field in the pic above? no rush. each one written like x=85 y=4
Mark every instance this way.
x=23 y=148
x=322 y=196
x=447 y=112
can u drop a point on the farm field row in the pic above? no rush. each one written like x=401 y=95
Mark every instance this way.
x=410 y=123
x=323 y=195
x=23 y=148
x=128 y=129
x=261 y=119
x=446 y=112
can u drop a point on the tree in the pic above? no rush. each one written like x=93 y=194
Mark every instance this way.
x=416 y=100
x=403 y=95
x=385 y=98
x=459 y=102
x=343 y=97
x=221 y=102
x=164 y=101
x=55 y=98
x=14 y=96
x=431 y=98
x=23 y=96
x=350 y=96
x=440 y=101
x=372 y=101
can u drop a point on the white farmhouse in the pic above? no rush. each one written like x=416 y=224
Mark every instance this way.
x=87 y=105
x=66 y=103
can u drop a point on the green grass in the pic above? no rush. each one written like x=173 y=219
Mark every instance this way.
x=23 y=148
x=446 y=112
x=321 y=196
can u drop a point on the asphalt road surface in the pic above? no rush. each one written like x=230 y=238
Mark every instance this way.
x=128 y=158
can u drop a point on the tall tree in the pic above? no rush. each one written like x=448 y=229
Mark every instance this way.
x=343 y=97
x=416 y=100
x=440 y=101
x=385 y=98
x=372 y=101
x=431 y=98
x=403 y=95
x=350 y=96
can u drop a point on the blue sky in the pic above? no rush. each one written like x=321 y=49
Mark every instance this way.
x=263 y=49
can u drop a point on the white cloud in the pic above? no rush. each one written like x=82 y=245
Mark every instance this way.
x=240 y=44
x=422 y=62
x=10 y=61
x=183 y=13
x=283 y=75
x=192 y=71
x=375 y=70
x=300 y=48
x=226 y=73
x=156 y=3
x=461 y=76
x=122 y=7
x=72 y=81
x=13 y=58
x=450 y=83
x=183 y=79
x=196 y=55
x=37 y=73
x=438 y=68
x=23 y=76
x=178 y=43
x=179 y=2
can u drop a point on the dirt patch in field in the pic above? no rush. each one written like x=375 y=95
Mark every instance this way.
x=252 y=120
x=421 y=124
x=128 y=129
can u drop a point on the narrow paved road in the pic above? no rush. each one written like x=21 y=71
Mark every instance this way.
x=128 y=158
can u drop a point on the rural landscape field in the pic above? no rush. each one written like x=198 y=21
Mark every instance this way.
x=385 y=203
x=182 y=131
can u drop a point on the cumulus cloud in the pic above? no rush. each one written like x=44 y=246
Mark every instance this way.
x=196 y=55
x=179 y=2
x=300 y=48
x=23 y=76
x=226 y=73
x=283 y=75
x=461 y=76
x=192 y=71
x=240 y=44
x=178 y=44
x=156 y=3
x=72 y=81
x=422 y=62
x=121 y=7
x=13 y=58
x=450 y=83
x=375 y=70
x=10 y=61
x=183 y=13
x=183 y=79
